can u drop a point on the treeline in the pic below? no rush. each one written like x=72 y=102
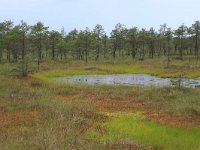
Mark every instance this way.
x=38 y=43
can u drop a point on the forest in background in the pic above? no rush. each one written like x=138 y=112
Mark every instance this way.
x=39 y=112
x=23 y=42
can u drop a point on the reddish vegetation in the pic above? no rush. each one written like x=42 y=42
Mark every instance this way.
x=175 y=121
x=8 y=119
x=113 y=104
x=14 y=119
x=131 y=102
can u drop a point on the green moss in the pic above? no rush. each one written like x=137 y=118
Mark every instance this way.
x=151 y=134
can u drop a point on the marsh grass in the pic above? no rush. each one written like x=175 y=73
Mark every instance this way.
x=34 y=115
x=183 y=101
x=37 y=112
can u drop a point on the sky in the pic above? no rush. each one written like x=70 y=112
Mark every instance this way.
x=80 y=14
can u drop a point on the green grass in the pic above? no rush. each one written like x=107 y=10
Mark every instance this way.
x=151 y=134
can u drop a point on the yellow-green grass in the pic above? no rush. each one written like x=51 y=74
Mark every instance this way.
x=156 y=67
x=150 y=133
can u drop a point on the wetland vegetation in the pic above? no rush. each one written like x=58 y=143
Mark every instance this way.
x=38 y=112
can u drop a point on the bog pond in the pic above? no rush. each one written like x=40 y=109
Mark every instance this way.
x=131 y=79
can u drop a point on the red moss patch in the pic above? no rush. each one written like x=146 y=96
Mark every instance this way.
x=15 y=119
x=130 y=102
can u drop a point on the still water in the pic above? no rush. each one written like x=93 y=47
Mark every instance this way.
x=130 y=79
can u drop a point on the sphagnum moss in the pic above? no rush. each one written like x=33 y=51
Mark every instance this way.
x=57 y=120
